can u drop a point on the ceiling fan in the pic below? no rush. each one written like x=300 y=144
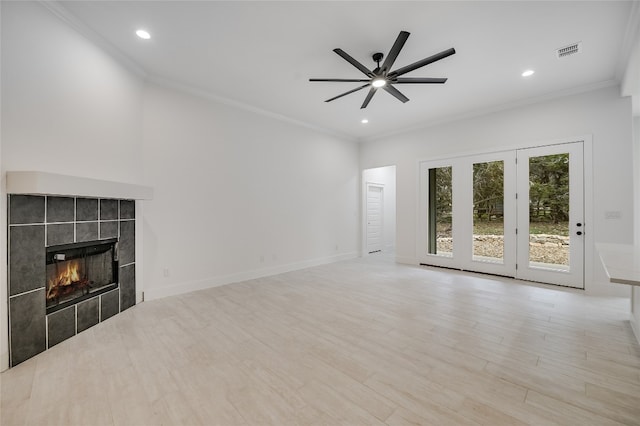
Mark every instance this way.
x=382 y=76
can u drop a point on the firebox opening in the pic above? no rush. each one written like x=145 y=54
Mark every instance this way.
x=79 y=271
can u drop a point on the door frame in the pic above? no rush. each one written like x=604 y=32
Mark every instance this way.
x=551 y=274
x=589 y=240
x=367 y=184
x=508 y=264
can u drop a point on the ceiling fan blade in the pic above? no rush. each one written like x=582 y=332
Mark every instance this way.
x=395 y=92
x=368 y=98
x=347 y=93
x=409 y=80
x=344 y=80
x=395 y=50
x=422 y=63
x=353 y=62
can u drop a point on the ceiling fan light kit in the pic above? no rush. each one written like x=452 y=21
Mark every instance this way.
x=382 y=76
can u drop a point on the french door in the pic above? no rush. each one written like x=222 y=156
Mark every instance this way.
x=516 y=213
x=551 y=214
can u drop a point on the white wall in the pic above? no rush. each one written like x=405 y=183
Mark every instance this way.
x=636 y=176
x=601 y=113
x=635 y=295
x=67 y=107
x=240 y=195
x=387 y=177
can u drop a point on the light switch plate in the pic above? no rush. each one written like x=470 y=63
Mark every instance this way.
x=616 y=214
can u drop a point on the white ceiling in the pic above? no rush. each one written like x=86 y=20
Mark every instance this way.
x=261 y=54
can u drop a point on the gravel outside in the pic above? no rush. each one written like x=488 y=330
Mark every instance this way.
x=543 y=248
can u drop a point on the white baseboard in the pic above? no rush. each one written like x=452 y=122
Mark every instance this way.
x=407 y=260
x=4 y=361
x=634 y=326
x=189 y=286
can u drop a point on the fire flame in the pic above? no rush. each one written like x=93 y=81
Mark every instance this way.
x=70 y=274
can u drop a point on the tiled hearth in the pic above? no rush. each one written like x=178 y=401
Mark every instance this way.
x=37 y=222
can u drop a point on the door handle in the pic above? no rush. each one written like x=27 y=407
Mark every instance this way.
x=579 y=233
x=578 y=224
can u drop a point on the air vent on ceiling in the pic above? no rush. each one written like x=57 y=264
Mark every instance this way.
x=569 y=50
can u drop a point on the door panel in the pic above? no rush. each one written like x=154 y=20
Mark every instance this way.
x=551 y=214
x=488 y=211
x=457 y=193
x=491 y=213
x=437 y=245
x=374 y=218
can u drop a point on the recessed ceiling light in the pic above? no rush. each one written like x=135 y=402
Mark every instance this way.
x=378 y=82
x=364 y=121
x=528 y=73
x=143 y=34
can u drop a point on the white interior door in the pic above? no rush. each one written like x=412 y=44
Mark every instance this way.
x=550 y=187
x=375 y=203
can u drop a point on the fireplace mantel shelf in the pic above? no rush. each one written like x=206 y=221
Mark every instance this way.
x=42 y=183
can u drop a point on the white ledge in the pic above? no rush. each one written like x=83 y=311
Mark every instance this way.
x=621 y=262
x=41 y=183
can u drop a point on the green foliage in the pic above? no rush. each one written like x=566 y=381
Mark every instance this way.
x=549 y=188
x=443 y=194
x=488 y=189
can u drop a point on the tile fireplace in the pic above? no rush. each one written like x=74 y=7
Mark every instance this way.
x=71 y=265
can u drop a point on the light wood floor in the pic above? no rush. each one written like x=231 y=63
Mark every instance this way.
x=356 y=343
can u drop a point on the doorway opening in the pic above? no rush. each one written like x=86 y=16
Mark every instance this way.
x=379 y=210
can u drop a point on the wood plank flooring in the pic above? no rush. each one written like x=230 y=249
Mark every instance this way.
x=362 y=342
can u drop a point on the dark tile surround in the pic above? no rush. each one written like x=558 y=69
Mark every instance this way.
x=27 y=209
x=86 y=231
x=108 y=229
x=127 y=286
x=28 y=327
x=36 y=222
x=26 y=258
x=109 y=304
x=60 y=209
x=88 y=313
x=86 y=209
x=61 y=325
x=61 y=233
x=108 y=209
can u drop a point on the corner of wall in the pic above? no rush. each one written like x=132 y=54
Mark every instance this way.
x=203 y=284
x=4 y=314
x=636 y=177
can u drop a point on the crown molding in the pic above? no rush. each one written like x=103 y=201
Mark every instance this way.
x=631 y=35
x=211 y=96
x=67 y=17
x=76 y=24
x=496 y=108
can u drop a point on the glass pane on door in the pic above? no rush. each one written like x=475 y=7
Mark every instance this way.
x=549 y=211
x=488 y=211
x=440 y=207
